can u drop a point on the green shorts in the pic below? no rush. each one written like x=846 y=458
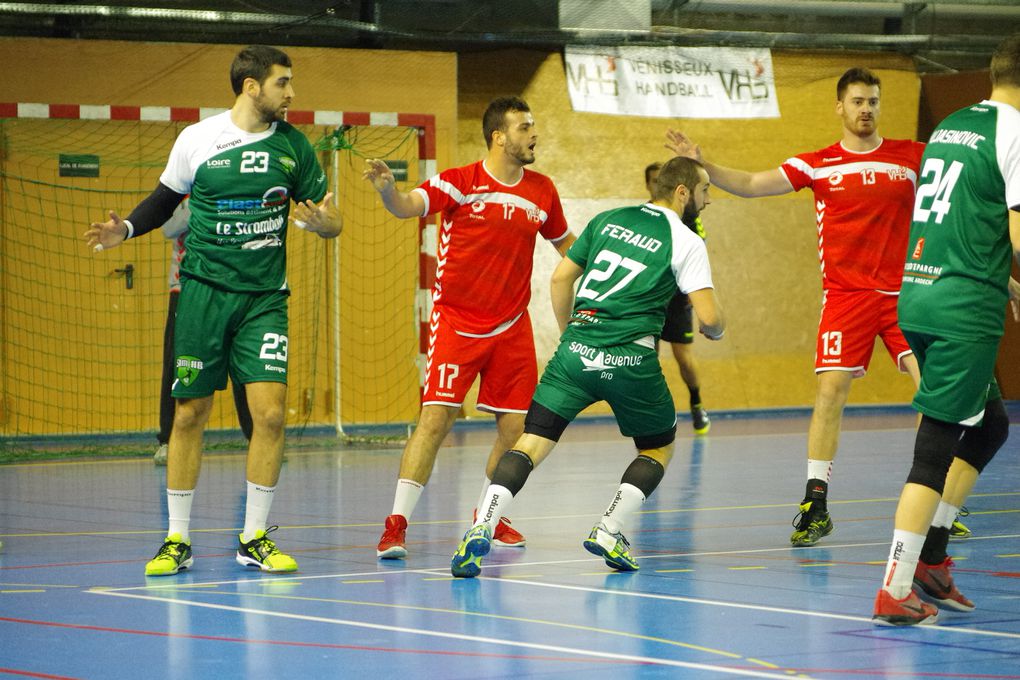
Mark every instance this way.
x=957 y=377
x=628 y=377
x=219 y=332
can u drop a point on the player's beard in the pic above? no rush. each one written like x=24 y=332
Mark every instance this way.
x=691 y=212
x=267 y=113
x=521 y=153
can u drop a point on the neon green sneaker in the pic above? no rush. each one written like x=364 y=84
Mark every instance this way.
x=262 y=552
x=173 y=556
x=613 y=548
x=811 y=525
x=958 y=529
x=467 y=561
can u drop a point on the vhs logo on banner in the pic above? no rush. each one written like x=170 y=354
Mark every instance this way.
x=672 y=82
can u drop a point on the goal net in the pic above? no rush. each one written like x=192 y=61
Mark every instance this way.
x=81 y=333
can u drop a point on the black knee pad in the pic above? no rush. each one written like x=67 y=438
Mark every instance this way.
x=644 y=473
x=933 y=453
x=655 y=441
x=980 y=444
x=512 y=470
x=544 y=423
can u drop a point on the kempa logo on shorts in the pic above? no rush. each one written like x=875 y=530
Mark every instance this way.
x=188 y=369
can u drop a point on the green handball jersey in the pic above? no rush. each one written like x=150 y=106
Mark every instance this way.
x=958 y=261
x=634 y=260
x=241 y=185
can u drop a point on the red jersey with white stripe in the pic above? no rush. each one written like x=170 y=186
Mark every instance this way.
x=486 y=242
x=864 y=203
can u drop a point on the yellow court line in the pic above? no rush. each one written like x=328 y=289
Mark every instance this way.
x=364 y=581
x=818 y=564
x=492 y=641
x=35 y=585
x=500 y=617
x=12 y=592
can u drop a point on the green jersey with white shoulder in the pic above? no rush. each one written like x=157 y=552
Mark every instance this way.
x=241 y=185
x=634 y=260
x=958 y=261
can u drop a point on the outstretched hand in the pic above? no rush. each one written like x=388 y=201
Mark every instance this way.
x=105 y=235
x=681 y=145
x=323 y=219
x=379 y=174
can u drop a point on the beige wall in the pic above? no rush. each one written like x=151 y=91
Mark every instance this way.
x=93 y=364
x=763 y=251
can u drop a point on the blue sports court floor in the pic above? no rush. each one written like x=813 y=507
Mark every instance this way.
x=720 y=592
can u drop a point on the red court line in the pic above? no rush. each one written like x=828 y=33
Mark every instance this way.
x=885 y=673
x=318 y=645
x=30 y=674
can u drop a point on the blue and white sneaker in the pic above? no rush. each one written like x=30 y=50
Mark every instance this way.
x=467 y=561
x=613 y=548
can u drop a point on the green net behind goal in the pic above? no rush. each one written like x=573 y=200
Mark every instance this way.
x=81 y=333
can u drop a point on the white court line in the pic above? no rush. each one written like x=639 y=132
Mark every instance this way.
x=463 y=638
x=443 y=570
x=753 y=607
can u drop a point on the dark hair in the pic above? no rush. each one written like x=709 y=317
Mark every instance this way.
x=676 y=171
x=649 y=169
x=495 y=115
x=856 y=75
x=1005 y=68
x=255 y=62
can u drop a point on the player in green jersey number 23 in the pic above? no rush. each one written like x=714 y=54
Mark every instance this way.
x=242 y=168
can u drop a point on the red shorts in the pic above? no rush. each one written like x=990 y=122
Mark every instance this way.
x=850 y=323
x=506 y=363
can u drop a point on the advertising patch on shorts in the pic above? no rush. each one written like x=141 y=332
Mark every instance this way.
x=597 y=359
x=188 y=369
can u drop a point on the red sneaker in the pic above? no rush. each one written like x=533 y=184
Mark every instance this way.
x=504 y=535
x=936 y=584
x=909 y=611
x=391 y=544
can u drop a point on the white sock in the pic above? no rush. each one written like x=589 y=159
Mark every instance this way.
x=819 y=469
x=903 y=556
x=406 y=497
x=481 y=499
x=494 y=505
x=178 y=505
x=944 y=515
x=256 y=509
x=626 y=502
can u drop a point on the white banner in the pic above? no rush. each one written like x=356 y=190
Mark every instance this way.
x=672 y=82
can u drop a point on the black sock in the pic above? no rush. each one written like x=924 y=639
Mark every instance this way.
x=816 y=491
x=935 y=543
x=695 y=397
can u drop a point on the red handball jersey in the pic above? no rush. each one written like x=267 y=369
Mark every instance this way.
x=487 y=242
x=864 y=203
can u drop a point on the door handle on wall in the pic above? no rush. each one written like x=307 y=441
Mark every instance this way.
x=129 y=275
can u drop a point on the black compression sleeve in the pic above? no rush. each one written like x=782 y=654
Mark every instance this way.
x=154 y=210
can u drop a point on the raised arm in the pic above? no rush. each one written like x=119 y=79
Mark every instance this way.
x=154 y=210
x=710 y=316
x=400 y=204
x=323 y=219
x=738 y=182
